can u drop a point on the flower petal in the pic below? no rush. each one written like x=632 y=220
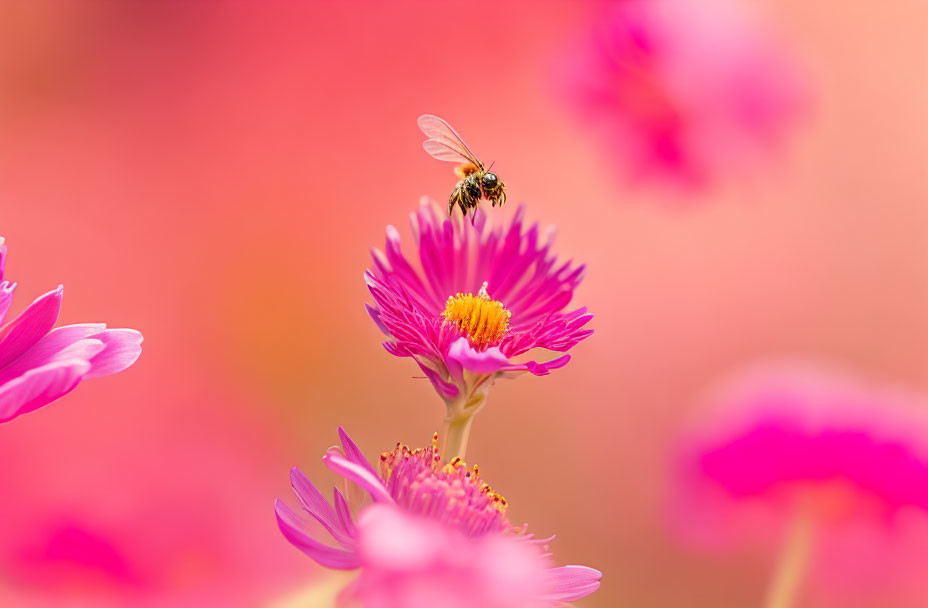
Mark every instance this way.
x=375 y=316
x=20 y=334
x=541 y=369
x=571 y=583
x=294 y=530
x=446 y=389
x=395 y=541
x=353 y=452
x=488 y=361
x=123 y=347
x=316 y=505
x=6 y=297
x=362 y=476
x=40 y=386
x=2 y=256
x=492 y=360
x=50 y=349
x=343 y=511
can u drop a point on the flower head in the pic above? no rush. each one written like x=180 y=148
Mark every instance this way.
x=791 y=443
x=473 y=298
x=681 y=90
x=420 y=484
x=436 y=534
x=40 y=363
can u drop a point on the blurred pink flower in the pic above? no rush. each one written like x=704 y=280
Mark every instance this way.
x=800 y=447
x=471 y=299
x=39 y=364
x=435 y=535
x=683 y=90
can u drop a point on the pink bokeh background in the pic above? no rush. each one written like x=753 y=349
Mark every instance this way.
x=213 y=174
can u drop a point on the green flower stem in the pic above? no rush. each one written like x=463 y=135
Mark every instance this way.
x=456 y=428
x=455 y=432
x=784 y=586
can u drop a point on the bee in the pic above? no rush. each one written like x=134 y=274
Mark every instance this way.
x=474 y=180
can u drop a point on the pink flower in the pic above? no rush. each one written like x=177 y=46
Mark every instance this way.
x=472 y=299
x=788 y=446
x=39 y=364
x=683 y=90
x=435 y=535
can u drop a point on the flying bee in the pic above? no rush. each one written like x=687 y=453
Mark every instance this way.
x=475 y=181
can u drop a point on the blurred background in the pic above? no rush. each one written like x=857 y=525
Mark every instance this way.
x=214 y=173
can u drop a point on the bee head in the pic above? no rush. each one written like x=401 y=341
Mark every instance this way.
x=490 y=182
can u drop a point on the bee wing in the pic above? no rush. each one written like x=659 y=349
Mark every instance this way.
x=442 y=150
x=444 y=143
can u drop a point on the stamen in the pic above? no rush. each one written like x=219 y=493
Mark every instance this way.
x=484 y=321
x=417 y=479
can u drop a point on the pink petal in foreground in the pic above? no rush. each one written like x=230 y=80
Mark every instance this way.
x=295 y=531
x=316 y=505
x=68 y=342
x=20 y=334
x=82 y=350
x=123 y=347
x=343 y=511
x=571 y=583
x=394 y=541
x=40 y=386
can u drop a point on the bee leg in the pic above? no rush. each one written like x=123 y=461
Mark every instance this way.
x=501 y=199
x=456 y=199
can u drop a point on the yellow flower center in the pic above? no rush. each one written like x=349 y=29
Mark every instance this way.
x=484 y=321
x=497 y=500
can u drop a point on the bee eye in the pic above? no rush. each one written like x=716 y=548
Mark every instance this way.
x=490 y=180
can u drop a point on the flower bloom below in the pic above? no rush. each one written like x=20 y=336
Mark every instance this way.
x=40 y=363
x=473 y=298
x=435 y=535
